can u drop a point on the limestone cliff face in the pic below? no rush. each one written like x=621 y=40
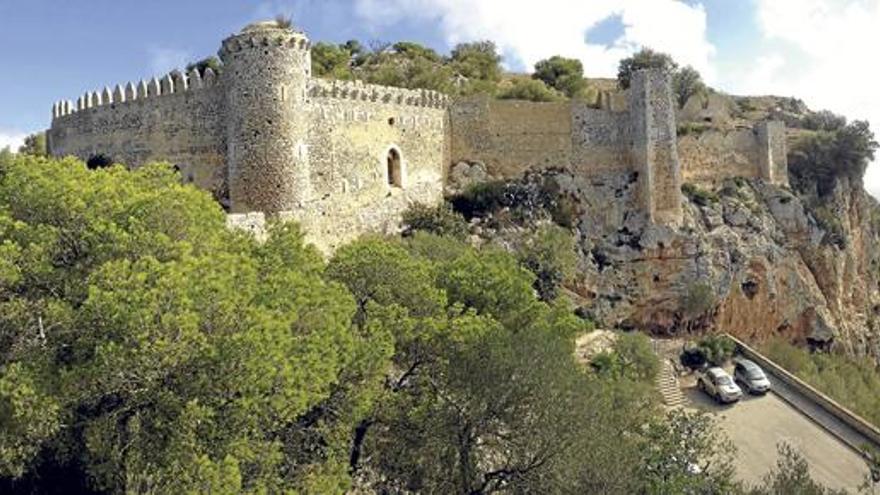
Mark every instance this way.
x=750 y=258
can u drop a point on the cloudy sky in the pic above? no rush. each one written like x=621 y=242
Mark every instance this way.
x=822 y=51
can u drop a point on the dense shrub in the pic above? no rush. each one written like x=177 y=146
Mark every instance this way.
x=551 y=254
x=817 y=161
x=698 y=195
x=440 y=220
x=713 y=350
x=632 y=356
x=686 y=82
x=529 y=89
x=565 y=75
x=646 y=58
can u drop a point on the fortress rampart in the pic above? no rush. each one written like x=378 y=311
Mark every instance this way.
x=345 y=157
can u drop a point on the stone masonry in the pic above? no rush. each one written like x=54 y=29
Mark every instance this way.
x=344 y=158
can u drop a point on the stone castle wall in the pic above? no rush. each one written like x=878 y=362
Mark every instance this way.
x=511 y=136
x=344 y=157
x=709 y=157
x=179 y=120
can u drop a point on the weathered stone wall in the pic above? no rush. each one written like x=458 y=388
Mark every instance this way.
x=354 y=126
x=655 y=157
x=511 y=137
x=180 y=121
x=266 y=73
x=710 y=156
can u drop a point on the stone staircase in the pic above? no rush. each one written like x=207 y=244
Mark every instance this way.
x=667 y=383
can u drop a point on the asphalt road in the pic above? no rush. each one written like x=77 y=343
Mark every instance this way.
x=757 y=424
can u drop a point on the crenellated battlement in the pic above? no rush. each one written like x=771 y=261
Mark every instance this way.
x=173 y=83
x=358 y=90
x=347 y=157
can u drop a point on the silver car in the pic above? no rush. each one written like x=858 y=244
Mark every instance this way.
x=718 y=384
x=751 y=377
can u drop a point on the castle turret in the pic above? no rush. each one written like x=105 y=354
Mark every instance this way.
x=654 y=152
x=265 y=76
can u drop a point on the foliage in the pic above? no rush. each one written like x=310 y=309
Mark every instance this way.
x=645 y=58
x=632 y=357
x=697 y=128
x=551 y=254
x=533 y=197
x=161 y=352
x=530 y=90
x=717 y=349
x=331 y=60
x=441 y=220
x=699 y=195
x=687 y=453
x=477 y=61
x=853 y=382
x=204 y=64
x=566 y=75
x=824 y=120
x=686 y=82
x=791 y=475
x=819 y=160
x=698 y=300
x=34 y=145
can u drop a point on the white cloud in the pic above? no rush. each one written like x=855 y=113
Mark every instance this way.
x=163 y=60
x=11 y=139
x=527 y=31
x=819 y=51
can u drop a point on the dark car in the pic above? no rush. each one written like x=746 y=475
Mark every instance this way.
x=751 y=377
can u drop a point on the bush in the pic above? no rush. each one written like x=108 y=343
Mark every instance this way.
x=686 y=82
x=644 y=59
x=712 y=350
x=718 y=349
x=529 y=89
x=440 y=220
x=566 y=75
x=698 y=300
x=824 y=120
x=698 y=195
x=818 y=160
x=631 y=357
x=551 y=254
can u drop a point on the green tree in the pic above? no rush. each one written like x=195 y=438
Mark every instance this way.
x=645 y=58
x=631 y=357
x=34 y=145
x=331 y=61
x=791 y=475
x=686 y=82
x=161 y=352
x=529 y=89
x=551 y=254
x=563 y=74
x=440 y=220
x=477 y=60
x=819 y=160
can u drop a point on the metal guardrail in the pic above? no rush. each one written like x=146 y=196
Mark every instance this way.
x=852 y=420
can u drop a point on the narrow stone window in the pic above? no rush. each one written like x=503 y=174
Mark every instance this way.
x=395 y=175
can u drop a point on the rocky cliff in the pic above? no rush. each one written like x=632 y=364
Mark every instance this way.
x=750 y=258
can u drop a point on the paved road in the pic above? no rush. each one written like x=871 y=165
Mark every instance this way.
x=757 y=424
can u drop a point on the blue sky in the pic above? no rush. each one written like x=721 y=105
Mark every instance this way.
x=54 y=49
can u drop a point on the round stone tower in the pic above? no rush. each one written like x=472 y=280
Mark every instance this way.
x=265 y=75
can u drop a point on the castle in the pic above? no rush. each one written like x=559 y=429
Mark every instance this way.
x=344 y=157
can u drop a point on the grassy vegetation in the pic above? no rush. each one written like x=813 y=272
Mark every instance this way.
x=853 y=382
x=698 y=195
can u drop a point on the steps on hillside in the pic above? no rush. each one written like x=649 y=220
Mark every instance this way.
x=667 y=383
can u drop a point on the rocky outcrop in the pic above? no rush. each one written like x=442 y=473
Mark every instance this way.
x=750 y=258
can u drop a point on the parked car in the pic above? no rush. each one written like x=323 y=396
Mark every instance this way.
x=719 y=385
x=750 y=376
